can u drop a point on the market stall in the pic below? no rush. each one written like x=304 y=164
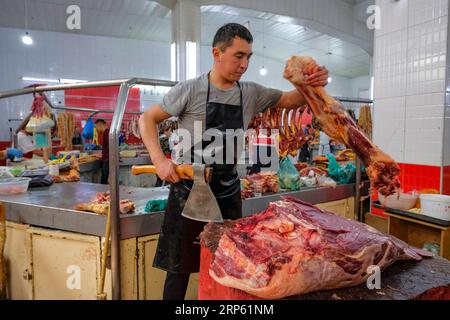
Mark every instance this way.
x=125 y=85
x=44 y=209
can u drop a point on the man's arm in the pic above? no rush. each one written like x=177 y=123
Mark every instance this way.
x=294 y=98
x=291 y=100
x=148 y=126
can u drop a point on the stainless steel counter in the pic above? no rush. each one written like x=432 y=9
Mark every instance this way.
x=90 y=166
x=52 y=207
x=312 y=195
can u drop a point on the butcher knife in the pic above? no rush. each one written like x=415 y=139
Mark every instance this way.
x=201 y=205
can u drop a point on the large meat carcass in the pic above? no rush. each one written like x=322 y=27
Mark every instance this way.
x=294 y=248
x=382 y=170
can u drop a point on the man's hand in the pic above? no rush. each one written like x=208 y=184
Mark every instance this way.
x=319 y=78
x=12 y=153
x=165 y=169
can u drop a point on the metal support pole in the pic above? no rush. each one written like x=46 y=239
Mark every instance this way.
x=58 y=87
x=358 y=214
x=114 y=186
x=22 y=125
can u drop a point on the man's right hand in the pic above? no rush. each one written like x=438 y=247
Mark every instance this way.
x=165 y=169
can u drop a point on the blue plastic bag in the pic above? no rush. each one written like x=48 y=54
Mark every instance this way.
x=88 y=130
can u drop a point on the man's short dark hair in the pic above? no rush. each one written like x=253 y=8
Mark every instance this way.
x=225 y=35
x=100 y=121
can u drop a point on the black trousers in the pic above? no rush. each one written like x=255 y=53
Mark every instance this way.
x=105 y=172
x=175 y=286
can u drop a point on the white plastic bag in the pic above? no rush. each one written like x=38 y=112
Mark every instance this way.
x=324 y=181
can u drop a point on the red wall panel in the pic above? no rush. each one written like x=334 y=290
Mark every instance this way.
x=103 y=98
x=446 y=181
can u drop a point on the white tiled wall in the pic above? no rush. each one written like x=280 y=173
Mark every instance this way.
x=410 y=73
x=389 y=125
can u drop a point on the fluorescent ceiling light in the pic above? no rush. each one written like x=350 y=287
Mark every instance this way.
x=40 y=79
x=191 y=60
x=371 y=88
x=62 y=80
x=173 y=62
x=26 y=39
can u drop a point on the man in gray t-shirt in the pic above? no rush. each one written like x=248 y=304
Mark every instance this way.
x=221 y=102
x=187 y=100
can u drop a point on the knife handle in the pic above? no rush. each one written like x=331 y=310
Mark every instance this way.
x=184 y=171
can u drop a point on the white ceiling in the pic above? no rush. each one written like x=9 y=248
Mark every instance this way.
x=148 y=20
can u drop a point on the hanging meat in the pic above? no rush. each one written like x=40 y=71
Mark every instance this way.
x=288 y=122
x=293 y=248
x=382 y=170
x=40 y=120
x=134 y=123
x=365 y=120
x=66 y=129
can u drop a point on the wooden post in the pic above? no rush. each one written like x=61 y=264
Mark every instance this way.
x=2 y=247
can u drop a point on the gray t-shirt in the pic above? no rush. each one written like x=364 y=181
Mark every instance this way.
x=187 y=100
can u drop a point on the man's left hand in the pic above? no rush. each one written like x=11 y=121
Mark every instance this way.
x=319 y=78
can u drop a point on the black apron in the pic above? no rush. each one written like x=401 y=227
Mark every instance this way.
x=178 y=246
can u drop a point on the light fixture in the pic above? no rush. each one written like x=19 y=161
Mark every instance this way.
x=40 y=79
x=26 y=39
x=173 y=62
x=191 y=60
x=62 y=80
x=372 y=88
x=329 y=79
x=263 y=71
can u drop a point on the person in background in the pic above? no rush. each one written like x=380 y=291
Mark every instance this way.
x=324 y=144
x=77 y=139
x=304 y=154
x=122 y=137
x=10 y=153
x=103 y=130
x=25 y=143
x=165 y=133
x=173 y=137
